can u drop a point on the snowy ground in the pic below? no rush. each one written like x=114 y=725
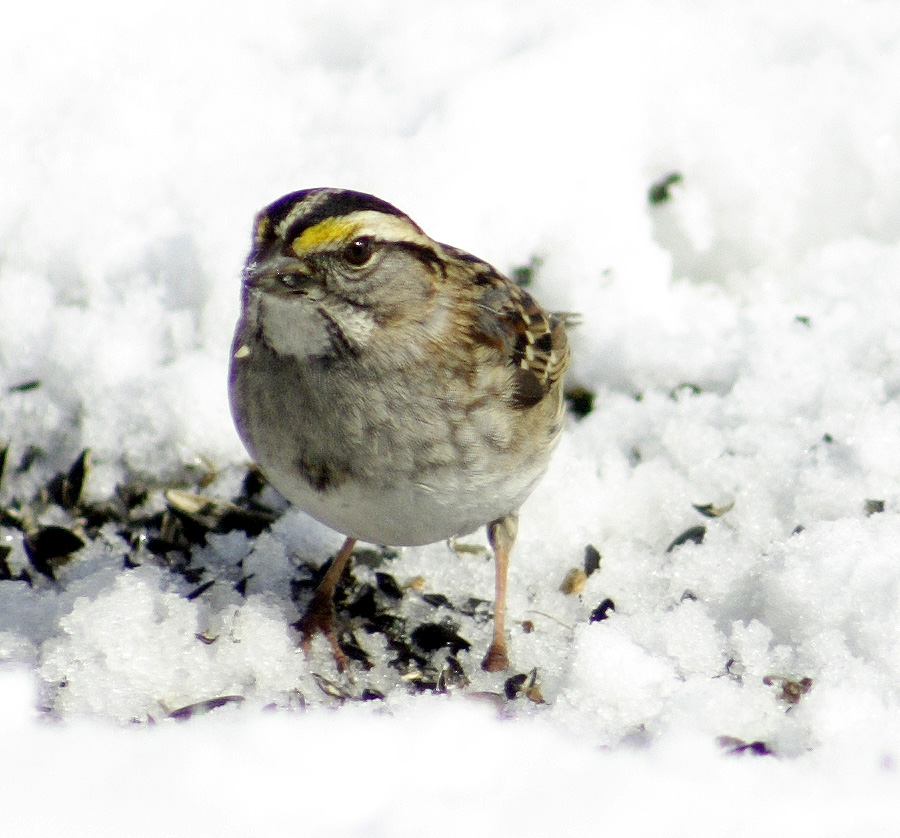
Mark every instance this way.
x=740 y=339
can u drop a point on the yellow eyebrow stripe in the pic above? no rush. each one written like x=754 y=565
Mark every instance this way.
x=326 y=233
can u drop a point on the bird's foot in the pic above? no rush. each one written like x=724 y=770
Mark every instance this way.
x=319 y=619
x=496 y=659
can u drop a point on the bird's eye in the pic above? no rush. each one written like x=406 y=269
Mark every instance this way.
x=359 y=251
x=291 y=281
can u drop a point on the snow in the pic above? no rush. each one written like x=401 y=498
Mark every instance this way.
x=740 y=339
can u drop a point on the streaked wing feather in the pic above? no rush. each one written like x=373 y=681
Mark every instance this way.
x=511 y=321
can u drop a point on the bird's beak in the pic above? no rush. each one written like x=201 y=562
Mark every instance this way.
x=278 y=274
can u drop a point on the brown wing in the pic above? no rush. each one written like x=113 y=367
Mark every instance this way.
x=510 y=320
x=541 y=349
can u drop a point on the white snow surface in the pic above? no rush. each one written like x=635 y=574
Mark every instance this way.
x=742 y=340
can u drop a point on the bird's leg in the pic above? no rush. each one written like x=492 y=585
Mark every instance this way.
x=502 y=535
x=319 y=616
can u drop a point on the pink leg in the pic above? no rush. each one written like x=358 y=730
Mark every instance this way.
x=502 y=536
x=319 y=616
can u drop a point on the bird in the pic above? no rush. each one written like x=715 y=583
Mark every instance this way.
x=398 y=390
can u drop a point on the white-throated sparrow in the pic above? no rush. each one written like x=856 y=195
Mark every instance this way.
x=398 y=390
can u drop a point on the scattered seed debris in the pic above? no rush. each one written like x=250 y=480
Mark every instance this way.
x=330 y=688
x=580 y=401
x=451 y=676
x=49 y=547
x=201 y=708
x=167 y=524
x=660 y=192
x=388 y=586
x=368 y=694
x=524 y=275
x=874 y=507
x=693 y=534
x=686 y=388
x=792 y=690
x=202 y=589
x=601 y=612
x=574 y=582
x=372 y=558
x=479 y=609
x=351 y=648
x=29 y=456
x=592 y=559
x=523 y=685
x=6 y=574
x=460 y=548
x=733 y=745
x=710 y=510
x=430 y=637
x=532 y=689
x=65 y=489
x=437 y=600
x=25 y=386
x=513 y=686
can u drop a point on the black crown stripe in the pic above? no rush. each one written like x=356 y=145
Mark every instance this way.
x=338 y=203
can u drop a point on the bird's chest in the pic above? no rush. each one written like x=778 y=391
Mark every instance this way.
x=383 y=425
